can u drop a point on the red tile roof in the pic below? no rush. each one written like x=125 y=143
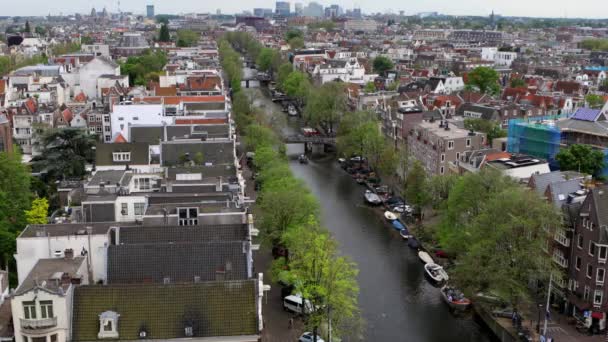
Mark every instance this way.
x=2 y=86
x=67 y=115
x=81 y=97
x=120 y=139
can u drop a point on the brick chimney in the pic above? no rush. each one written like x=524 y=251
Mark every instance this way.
x=68 y=253
x=66 y=279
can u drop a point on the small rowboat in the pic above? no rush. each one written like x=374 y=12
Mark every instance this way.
x=413 y=243
x=454 y=298
x=425 y=257
x=405 y=234
x=398 y=225
x=436 y=273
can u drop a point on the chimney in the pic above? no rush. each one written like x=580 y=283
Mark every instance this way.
x=66 y=279
x=76 y=281
x=68 y=253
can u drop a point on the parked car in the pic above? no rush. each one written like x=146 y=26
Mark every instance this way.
x=308 y=337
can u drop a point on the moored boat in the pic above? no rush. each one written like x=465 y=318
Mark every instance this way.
x=425 y=257
x=303 y=159
x=390 y=216
x=454 y=298
x=405 y=234
x=372 y=198
x=436 y=273
x=413 y=243
x=398 y=225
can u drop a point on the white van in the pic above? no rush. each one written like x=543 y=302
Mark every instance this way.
x=293 y=303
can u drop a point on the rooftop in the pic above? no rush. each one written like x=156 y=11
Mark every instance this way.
x=47 y=274
x=54 y=230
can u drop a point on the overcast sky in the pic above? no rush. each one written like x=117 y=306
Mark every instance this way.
x=535 y=8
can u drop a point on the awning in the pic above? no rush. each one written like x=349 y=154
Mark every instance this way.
x=598 y=315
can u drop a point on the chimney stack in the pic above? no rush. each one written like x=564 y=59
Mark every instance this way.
x=68 y=253
x=66 y=279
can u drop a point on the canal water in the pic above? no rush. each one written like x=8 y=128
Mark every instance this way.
x=396 y=301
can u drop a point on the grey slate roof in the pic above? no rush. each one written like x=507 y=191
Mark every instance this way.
x=180 y=262
x=146 y=134
x=487 y=113
x=561 y=190
x=541 y=181
x=596 y=128
x=139 y=153
x=43 y=230
x=225 y=308
x=43 y=275
x=172 y=234
x=213 y=151
x=107 y=177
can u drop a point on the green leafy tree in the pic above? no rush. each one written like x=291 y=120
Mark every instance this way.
x=41 y=30
x=199 y=158
x=284 y=71
x=297 y=85
x=484 y=80
x=582 y=158
x=382 y=64
x=293 y=33
x=517 y=83
x=65 y=152
x=595 y=101
x=257 y=135
x=142 y=69
x=595 y=44
x=492 y=129
x=187 y=38
x=416 y=186
x=439 y=188
x=326 y=104
x=264 y=60
x=163 y=35
x=503 y=245
x=321 y=276
x=370 y=87
x=38 y=213
x=86 y=40
x=296 y=43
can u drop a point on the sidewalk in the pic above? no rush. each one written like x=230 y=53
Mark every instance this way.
x=561 y=331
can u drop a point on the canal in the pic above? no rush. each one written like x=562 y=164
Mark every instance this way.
x=396 y=301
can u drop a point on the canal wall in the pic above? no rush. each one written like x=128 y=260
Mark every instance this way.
x=499 y=331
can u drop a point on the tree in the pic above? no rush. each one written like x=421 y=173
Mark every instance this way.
x=370 y=87
x=326 y=104
x=86 y=40
x=293 y=33
x=284 y=71
x=517 y=83
x=38 y=212
x=492 y=129
x=439 y=188
x=321 y=276
x=382 y=64
x=264 y=60
x=503 y=245
x=257 y=135
x=296 y=43
x=595 y=101
x=582 y=158
x=40 y=30
x=65 y=152
x=142 y=68
x=483 y=79
x=187 y=38
x=416 y=186
x=163 y=35
x=199 y=158
x=27 y=28
x=297 y=85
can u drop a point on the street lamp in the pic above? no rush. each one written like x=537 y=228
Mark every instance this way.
x=540 y=305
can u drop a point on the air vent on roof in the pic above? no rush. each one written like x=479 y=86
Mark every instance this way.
x=166 y=280
x=197 y=279
x=188 y=331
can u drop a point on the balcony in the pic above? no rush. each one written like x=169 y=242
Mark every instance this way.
x=37 y=324
x=562 y=240
x=560 y=260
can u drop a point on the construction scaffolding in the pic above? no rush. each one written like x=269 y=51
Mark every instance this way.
x=540 y=139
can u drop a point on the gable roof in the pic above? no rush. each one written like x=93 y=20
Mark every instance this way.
x=44 y=274
x=139 y=153
x=173 y=234
x=211 y=308
x=180 y=262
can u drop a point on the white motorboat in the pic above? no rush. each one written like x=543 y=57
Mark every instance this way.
x=292 y=110
x=425 y=257
x=436 y=273
x=390 y=216
x=372 y=198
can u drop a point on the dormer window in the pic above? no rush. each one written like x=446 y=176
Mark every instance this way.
x=108 y=325
x=121 y=156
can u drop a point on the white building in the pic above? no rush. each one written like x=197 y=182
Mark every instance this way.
x=500 y=58
x=124 y=116
x=85 y=78
x=365 y=25
x=345 y=70
x=96 y=49
x=42 y=304
x=453 y=84
x=50 y=241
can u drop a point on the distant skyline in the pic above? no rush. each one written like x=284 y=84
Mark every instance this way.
x=538 y=8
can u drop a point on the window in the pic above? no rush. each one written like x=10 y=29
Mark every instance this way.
x=54 y=338
x=138 y=208
x=441 y=170
x=29 y=310
x=586 y=293
x=451 y=145
x=589 y=271
x=579 y=241
x=599 y=275
x=457 y=156
x=124 y=209
x=591 y=248
x=142 y=183
x=598 y=297
x=106 y=118
x=188 y=216
x=442 y=157
x=108 y=322
x=46 y=309
x=602 y=253
x=106 y=128
x=468 y=142
x=578 y=263
x=108 y=138
x=121 y=156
